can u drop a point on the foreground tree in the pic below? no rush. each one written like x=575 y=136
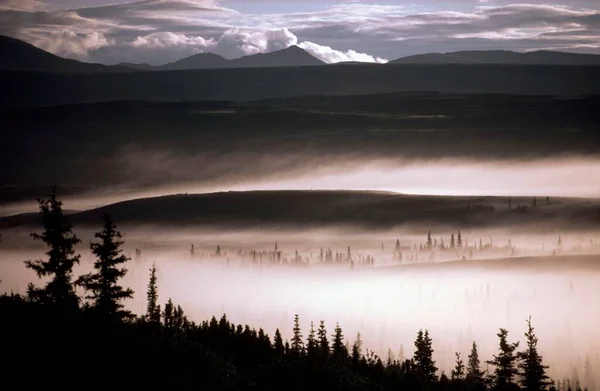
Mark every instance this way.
x=59 y=236
x=474 y=377
x=104 y=291
x=458 y=373
x=153 y=308
x=423 y=358
x=505 y=364
x=297 y=343
x=532 y=370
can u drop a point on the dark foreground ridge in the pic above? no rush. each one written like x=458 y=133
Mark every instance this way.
x=31 y=89
x=359 y=209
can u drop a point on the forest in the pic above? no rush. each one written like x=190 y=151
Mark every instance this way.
x=75 y=332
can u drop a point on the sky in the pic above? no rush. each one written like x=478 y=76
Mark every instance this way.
x=162 y=31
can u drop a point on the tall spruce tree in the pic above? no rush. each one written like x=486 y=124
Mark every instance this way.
x=338 y=349
x=532 y=370
x=423 y=358
x=153 y=308
x=297 y=346
x=505 y=363
x=103 y=288
x=59 y=236
x=475 y=376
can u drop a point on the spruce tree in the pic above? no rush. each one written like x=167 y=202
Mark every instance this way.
x=311 y=342
x=423 y=358
x=338 y=349
x=429 y=243
x=278 y=343
x=505 y=363
x=297 y=344
x=168 y=313
x=458 y=373
x=323 y=342
x=103 y=288
x=59 y=236
x=153 y=308
x=474 y=376
x=452 y=241
x=459 y=240
x=532 y=370
x=357 y=350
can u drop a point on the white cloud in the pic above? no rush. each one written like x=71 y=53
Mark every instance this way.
x=329 y=55
x=72 y=44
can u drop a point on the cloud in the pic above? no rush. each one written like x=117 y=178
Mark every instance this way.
x=22 y=5
x=160 y=31
x=329 y=55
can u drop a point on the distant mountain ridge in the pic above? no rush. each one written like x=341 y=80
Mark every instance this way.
x=291 y=56
x=541 y=57
x=21 y=56
x=17 y=55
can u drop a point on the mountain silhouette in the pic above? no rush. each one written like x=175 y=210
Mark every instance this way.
x=292 y=56
x=22 y=56
x=541 y=57
x=289 y=57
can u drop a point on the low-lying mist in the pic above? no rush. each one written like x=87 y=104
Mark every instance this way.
x=564 y=177
x=461 y=294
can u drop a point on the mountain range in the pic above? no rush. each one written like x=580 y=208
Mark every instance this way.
x=22 y=56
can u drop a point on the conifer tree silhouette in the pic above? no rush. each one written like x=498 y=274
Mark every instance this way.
x=505 y=364
x=532 y=370
x=59 y=236
x=153 y=308
x=103 y=288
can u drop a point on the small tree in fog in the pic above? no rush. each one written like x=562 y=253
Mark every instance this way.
x=105 y=293
x=505 y=363
x=59 y=236
x=429 y=242
x=532 y=370
x=459 y=240
x=452 y=245
x=153 y=308
x=458 y=373
x=474 y=376
x=423 y=357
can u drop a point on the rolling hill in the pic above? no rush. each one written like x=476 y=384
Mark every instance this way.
x=22 y=56
x=31 y=89
x=541 y=57
x=273 y=209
